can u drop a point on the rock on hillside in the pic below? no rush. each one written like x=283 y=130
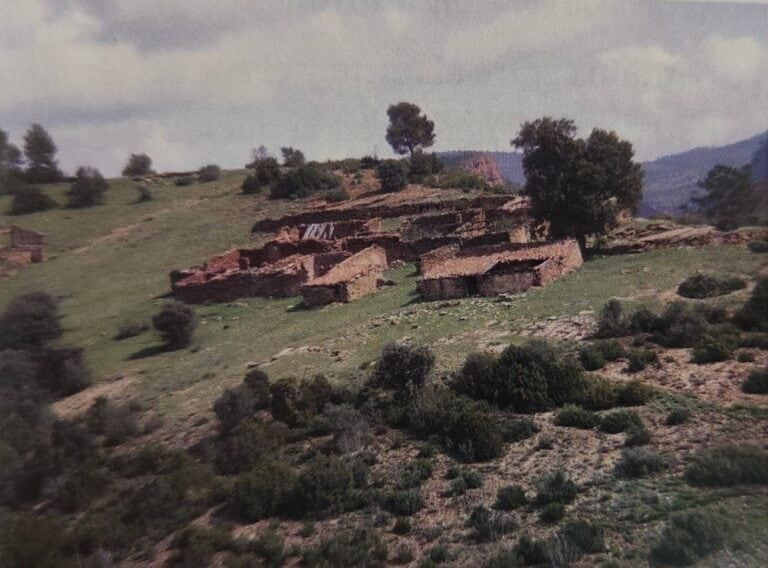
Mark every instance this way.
x=484 y=166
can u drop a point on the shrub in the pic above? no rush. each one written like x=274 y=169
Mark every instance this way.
x=264 y=491
x=612 y=321
x=571 y=416
x=553 y=512
x=753 y=316
x=302 y=182
x=555 y=487
x=234 y=406
x=637 y=435
x=250 y=185
x=30 y=199
x=459 y=179
x=587 y=537
x=619 y=421
x=414 y=473
x=184 y=181
x=600 y=394
x=360 y=547
x=292 y=158
x=714 y=348
x=680 y=325
x=338 y=195
x=728 y=465
x=249 y=443
x=704 y=286
x=196 y=545
x=87 y=190
x=678 y=415
x=474 y=437
x=29 y=321
x=591 y=358
x=423 y=164
x=757 y=382
x=488 y=525
x=176 y=322
x=745 y=357
x=639 y=462
x=633 y=393
x=323 y=486
x=402 y=526
x=688 y=537
x=639 y=359
x=211 y=172
x=611 y=349
x=758 y=246
x=403 y=503
x=509 y=498
x=532 y=552
x=138 y=165
x=401 y=366
x=754 y=340
x=518 y=429
x=63 y=371
x=369 y=162
x=392 y=176
x=267 y=171
x=403 y=554
x=116 y=422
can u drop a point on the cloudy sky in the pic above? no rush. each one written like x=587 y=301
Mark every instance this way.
x=192 y=82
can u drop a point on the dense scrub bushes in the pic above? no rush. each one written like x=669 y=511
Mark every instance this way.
x=705 y=286
x=757 y=382
x=349 y=549
x=302 y=182
x=30 y=199
x=510 y=497
x=758 y=246
x=638 y=462
x=209 y=173
x=392 y=176
x=689 y=537
x=728 y=465
x=87 y=190
x=401 y=367
x=753 y=316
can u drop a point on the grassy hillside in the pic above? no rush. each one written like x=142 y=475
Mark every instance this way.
x=110 y=265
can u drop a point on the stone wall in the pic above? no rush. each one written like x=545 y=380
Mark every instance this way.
x=444 y=288
x=349 y=280
x=21 y=237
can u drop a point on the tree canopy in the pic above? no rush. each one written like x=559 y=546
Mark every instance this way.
x=292 y=158
x=138 y=165
x=578 y=185
x=40 y=151
x=88 y=189
x=728 y=193
x=408 y=129
x=10 y=163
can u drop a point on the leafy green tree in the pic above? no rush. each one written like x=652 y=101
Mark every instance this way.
x=292 y=158
x=578 y=185
x=408 y=129
x=88 y=189
x=175 y=323
x=10 y=163
x=138 y=165
x=729 y=193
x=40 y=151
x=28 y=199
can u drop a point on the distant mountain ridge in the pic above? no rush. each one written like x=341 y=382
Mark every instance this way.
x=670 y=181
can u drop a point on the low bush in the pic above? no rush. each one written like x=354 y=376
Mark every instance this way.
x=704 y=286
x=392 y=176
x=208 y=173
x=555 y=487
x=323 y=486
x=518 y=429
x=29 y=321
x=403 y=554
x=758 y=246
x=745 y=357
x=423 y=164
x=757 y=382
x=267 y=171
x=176 y=323
x=402 y=367
x=184 y=181
x=250 y=185
x=678 y=415
x=552 y=513
x=532 y=552
x=402 y=526
x=338 y=195
x=591 y=358
x=571 y=416
x=681 y=325
x=247 y=444
x=754 y=340
x=587 y=537
x=714 y=348
x=403 y=503
x=488 y=525
x=639 y=462
x=689 y=537
x=619 y=421
x=728 y=465
x=612 y=320
x=753 y=316
x=265 y=491
x=414 y=473
x=637 y=435
x=510 y=497
x=63 y=371
x=138 y=165
x=600 y=394
x=458 y=179
x=30 y=199
x=302 y=182
x=242 y=402
x=611 y=349
x=362 y=547
x=115 y=422
x=633 y=393
x=639 y=359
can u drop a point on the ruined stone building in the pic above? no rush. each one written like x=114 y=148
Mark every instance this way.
x=25 y=246
x=354 y=277
x=451 y=272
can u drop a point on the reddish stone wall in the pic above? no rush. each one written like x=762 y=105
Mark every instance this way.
x=443 y=288
x=493 y=284
x=21 y=237
x=353 y=278
x=382 y=211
